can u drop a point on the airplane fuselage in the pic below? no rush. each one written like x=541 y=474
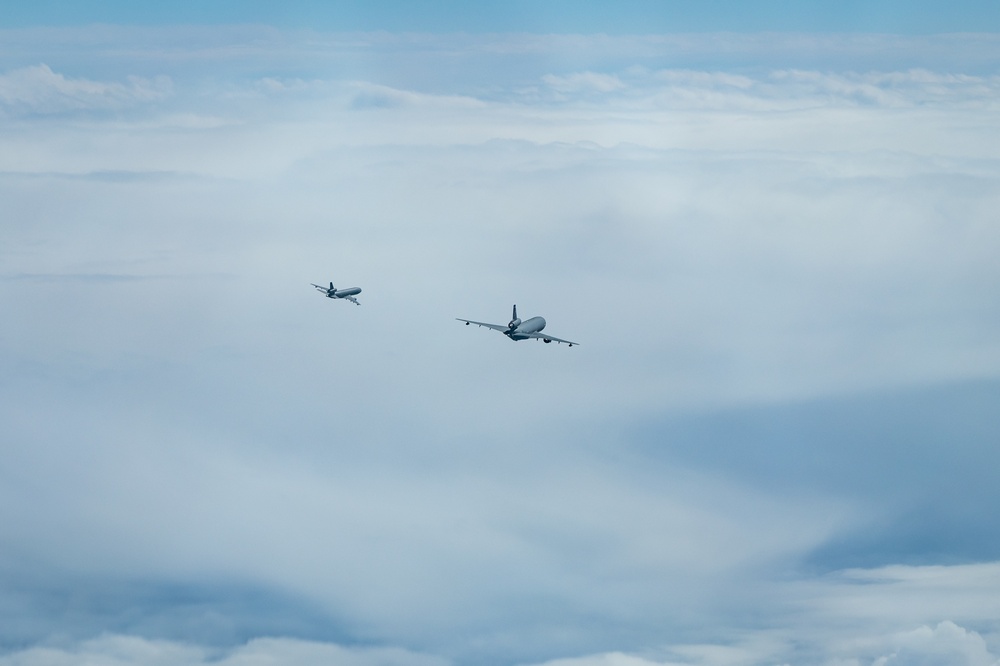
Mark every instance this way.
x=533 y=325
x=341 y=293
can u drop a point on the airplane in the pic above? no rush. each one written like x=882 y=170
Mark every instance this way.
x=333 y=292
x=521 y=330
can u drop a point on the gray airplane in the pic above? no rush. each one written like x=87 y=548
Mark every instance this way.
x=333 y=292
x=521 y=330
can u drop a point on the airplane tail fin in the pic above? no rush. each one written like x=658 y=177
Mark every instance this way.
x=514 y=322
x=332 y=288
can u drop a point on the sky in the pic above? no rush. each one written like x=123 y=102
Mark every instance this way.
x=534 y=16
x=771 y=227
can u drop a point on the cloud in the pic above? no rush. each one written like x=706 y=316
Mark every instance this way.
x=584 y=82
x=812 y=639
x=944 y=644
x=39 y=90
x=897 y=89
x=947 y=644
x=778 y=90
x=369 y=96
x=118 y=650
x=781 y=271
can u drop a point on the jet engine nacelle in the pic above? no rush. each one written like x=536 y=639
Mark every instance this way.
x=514 y=323
x=546 y=340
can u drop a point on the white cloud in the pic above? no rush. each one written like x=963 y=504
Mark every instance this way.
x=895 y=89
x=607 y=659
x=714 y=237
x=369 y=95
x=947 y=644
x=908 y=594
x=119 y=650
x=778 y=90
x=39 y=90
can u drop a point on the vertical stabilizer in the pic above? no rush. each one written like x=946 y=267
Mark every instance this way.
x=514 y=322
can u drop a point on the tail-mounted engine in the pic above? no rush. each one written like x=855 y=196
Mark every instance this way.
x=514 y=321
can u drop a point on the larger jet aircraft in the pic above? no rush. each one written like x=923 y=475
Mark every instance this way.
x=521 y=330
x=333 y=292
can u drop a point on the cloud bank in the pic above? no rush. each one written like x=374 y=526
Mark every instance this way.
x=772 y=447
x=39 y=90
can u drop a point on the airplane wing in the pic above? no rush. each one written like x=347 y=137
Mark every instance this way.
x=543 y=336
x=495 y=327
x=351 y=299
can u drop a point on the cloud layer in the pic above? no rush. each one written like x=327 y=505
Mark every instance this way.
x=39 y=90
x=772 y=445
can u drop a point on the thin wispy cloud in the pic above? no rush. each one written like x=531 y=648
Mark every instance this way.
x=112 y=650
x=39 y=90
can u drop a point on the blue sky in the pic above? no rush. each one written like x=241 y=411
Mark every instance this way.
x=548 y=16
x=775 y=444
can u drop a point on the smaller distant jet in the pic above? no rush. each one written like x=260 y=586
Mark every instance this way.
x=333 y=292
x=521 y=330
